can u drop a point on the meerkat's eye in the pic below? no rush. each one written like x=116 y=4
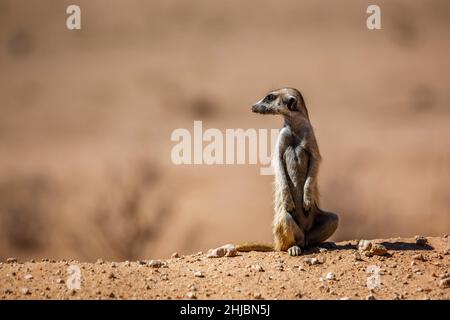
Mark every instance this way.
x=270 y=97
x=291 y=103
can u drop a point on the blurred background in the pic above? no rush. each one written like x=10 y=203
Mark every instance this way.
x=86 y=118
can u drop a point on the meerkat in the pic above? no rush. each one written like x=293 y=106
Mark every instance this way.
x=298 y=221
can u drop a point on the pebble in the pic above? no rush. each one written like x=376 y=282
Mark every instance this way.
x=420 y=240
x=199 y=274
x=444 y=283
x=370 y=297
x=8 y=291
x=443 y=276
x=257 y=295
x=344 y=298
x=11 y=260
x=257 y=268
x=25 y=291
x=378 y=249
x=191 y=295
x=357 y=256
x=227 y=250
x=59 y=281
x=100 y=261
x=364 y=245
x=372 y=249
x=311 y=261
x=330 y=276
x=155 y=263
x=175 y=255
x=28 y=277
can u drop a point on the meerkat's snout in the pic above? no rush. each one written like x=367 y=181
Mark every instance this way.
x=267 y=105
x=259 y=108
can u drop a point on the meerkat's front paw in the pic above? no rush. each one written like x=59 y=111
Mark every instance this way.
x=294 y=251
x=307 y=203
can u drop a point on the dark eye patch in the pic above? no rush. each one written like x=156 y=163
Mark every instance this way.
x=270 y=97
x=291 y=103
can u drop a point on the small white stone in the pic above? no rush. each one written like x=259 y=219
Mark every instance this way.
x=25 y=291
x=311 y=261
x=155 y=263
x=199 y=274
x=330 y=276
x=364 y=245
x=257 y=268
x=28 y=277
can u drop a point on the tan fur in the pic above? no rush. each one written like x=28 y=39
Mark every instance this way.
x=254 y=246
x=298 y=220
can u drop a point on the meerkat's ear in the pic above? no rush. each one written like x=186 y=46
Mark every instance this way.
x=291 y=103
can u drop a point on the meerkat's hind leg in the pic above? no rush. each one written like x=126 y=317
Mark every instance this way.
x=294 y=251
x=287 y=234
x=324 y=225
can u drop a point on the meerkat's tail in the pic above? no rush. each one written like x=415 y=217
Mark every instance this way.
x=254 y=246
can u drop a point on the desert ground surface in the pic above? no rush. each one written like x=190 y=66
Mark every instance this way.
x=332 y=271
x=85 y=139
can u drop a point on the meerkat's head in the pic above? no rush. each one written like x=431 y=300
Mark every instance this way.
x=287 y=102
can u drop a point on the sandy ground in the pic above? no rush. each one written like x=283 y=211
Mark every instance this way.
x=409 y=271
x=86 y=119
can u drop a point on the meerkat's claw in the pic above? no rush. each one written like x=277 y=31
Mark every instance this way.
x=306 y=204
x=294 y=251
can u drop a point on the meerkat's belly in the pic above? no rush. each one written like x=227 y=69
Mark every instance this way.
x=296 y=180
